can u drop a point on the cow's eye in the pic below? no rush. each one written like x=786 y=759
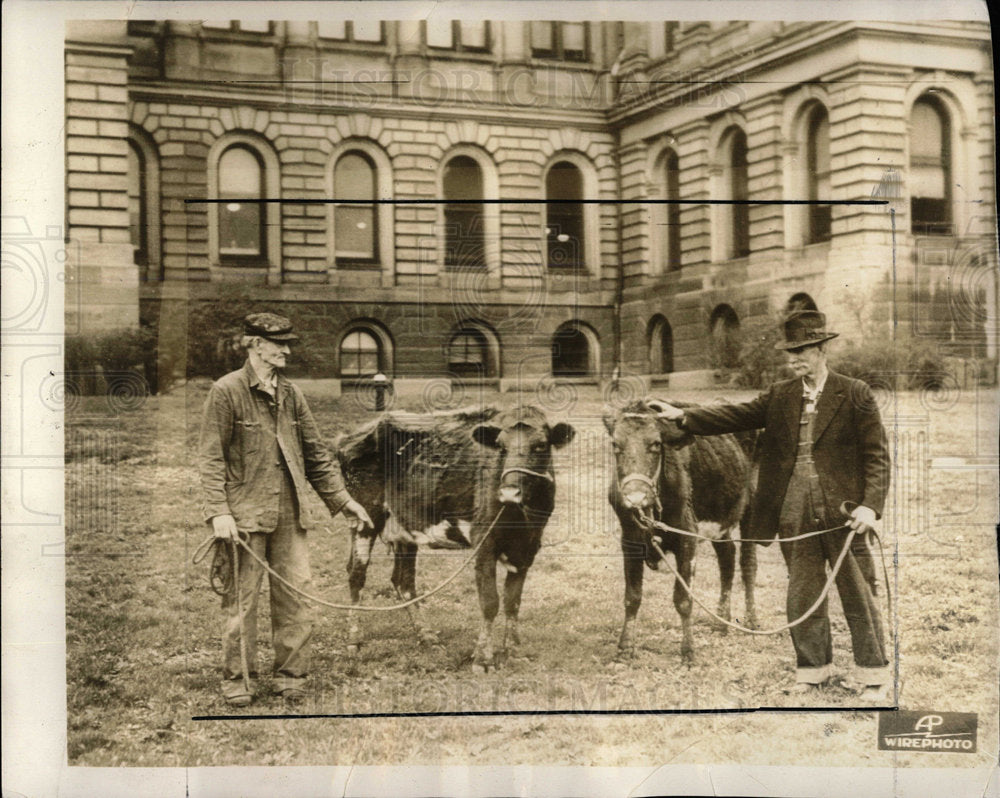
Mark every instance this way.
x=616 y=447
x=655 y=446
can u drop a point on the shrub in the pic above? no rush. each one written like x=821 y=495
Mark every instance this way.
x=760 y=363
x=123 y=350
x=901 y=364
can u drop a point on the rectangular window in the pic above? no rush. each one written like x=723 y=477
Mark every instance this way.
x=366 y=31
x=566 y=41
x=462 y=37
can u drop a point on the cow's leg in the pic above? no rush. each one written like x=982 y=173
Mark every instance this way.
x=725 y=552
x=633 y=558
x=682 y=599
x=512 y=588
x=357 y=572
x=748 y=572
x=489 y=604
x=404 y=581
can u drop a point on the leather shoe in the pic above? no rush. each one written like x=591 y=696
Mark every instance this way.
x=293 y=695
x=875 y=694
x=238 y=700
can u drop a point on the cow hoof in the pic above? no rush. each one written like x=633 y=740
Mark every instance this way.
x=625 y=654
x=751 y=622
x=687 y=656
x=353 y=649
x=480 y=668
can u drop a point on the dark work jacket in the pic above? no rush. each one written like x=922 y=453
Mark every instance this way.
x=849 y=446
x=237 y=456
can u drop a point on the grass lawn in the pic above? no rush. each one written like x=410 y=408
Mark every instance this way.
x=144 y=628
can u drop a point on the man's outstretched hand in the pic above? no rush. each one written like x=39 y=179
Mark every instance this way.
x=357 y=517
x=665 y=409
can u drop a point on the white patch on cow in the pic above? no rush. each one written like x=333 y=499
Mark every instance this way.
x=465 y=527
x=711 y=529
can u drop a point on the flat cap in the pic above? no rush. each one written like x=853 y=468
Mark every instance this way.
x=270 y=326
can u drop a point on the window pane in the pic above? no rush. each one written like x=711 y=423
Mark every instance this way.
x=239 y=173
x=463 y=179
x=466 y=348
x=367 y=30
x=255 y=26
x=332 y=30
x=354 y=231
x=473 y=34
x=564 y=181
x=354 y=178
x=927 y=181
x=673 y=214
x=927 y=131
x=574 y=37
x=359 y=354
x=542 y=37
x=239 y=228
x=440 y=33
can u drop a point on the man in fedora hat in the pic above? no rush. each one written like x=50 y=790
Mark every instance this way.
x=260 y=448
x=822 y=445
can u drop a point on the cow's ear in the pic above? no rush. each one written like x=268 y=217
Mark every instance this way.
x=487 y=435
x=561 y=434
x=672 y=434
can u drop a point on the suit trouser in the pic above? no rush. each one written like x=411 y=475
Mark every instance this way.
x=286 y=551
x=807 y=575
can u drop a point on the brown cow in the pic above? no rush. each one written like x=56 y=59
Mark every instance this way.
x=448 y=479
x=664 y=473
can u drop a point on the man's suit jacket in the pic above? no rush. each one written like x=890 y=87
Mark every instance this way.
x=849 y=446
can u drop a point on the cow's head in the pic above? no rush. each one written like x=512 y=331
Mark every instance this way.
x=643 y=444
x=525 y=439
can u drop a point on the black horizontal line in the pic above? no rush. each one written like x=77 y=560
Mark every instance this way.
x=542 y=712
x=439 y=201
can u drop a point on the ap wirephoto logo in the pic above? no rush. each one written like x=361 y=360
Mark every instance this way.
x=908 y=730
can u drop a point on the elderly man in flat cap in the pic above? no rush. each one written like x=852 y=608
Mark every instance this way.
x=822 y=444
x=259 y=450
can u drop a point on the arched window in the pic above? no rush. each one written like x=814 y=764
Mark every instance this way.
x=143 y=163
x=355 y=219
x=930 y=168
x=468 y=354
x=800 y=301
x=571 y=355
x=564 y=217
x=661 y=346
x=464 y=216
x=241 y=228
x=818 y=169
x=360 y=354
x=137 y=209
x=739 y=193
x=724 y=327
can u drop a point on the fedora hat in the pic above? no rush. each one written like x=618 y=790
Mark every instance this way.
x=804 y=328
x=271 y=326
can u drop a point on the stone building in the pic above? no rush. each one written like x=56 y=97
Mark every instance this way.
x=506 y=200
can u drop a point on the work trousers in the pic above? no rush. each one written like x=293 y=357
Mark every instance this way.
x=287 y=553
x=807 y=561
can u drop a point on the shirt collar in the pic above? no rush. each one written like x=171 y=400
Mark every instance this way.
x=812 y=393
x=257 y=379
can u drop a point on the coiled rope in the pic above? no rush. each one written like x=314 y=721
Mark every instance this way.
x=202 y=550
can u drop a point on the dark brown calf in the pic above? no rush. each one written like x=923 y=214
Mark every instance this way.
x=667 y=475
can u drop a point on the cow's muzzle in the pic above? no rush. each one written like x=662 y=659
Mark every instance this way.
x=638 y=492
x=511 y=493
